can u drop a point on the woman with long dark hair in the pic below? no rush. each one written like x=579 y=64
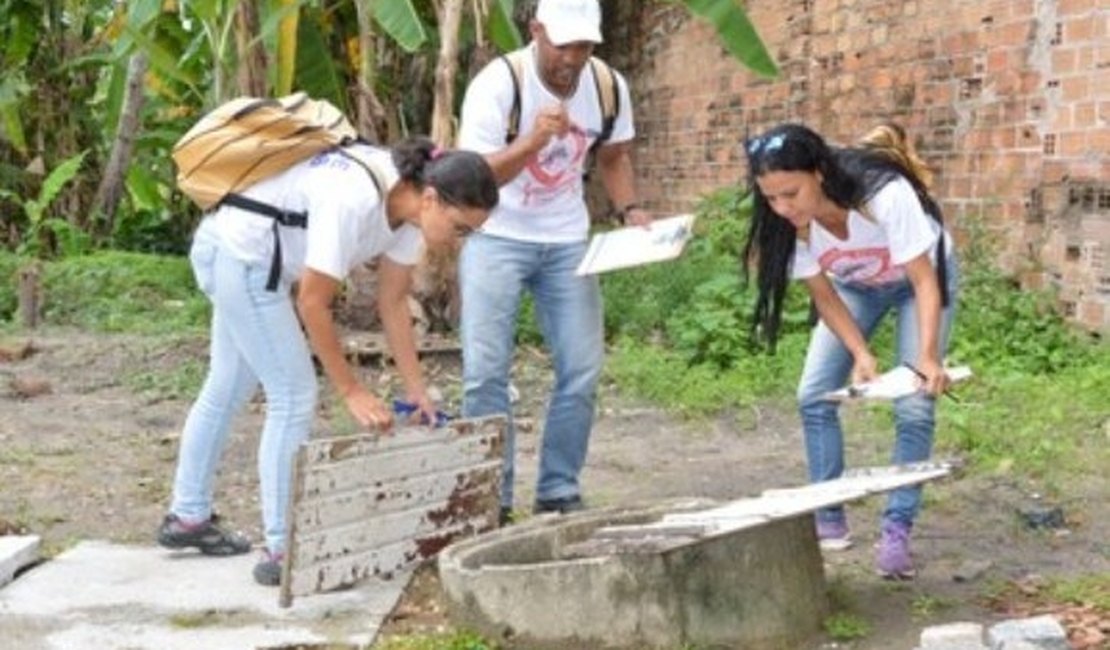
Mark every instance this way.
x=860 y=229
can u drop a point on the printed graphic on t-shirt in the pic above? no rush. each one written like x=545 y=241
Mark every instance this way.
x=557 y=169
x=869 y=266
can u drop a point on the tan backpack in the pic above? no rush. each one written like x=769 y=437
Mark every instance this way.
x=248 y=139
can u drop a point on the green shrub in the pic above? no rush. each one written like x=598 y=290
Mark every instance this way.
x=9 y=283
x=112 y=291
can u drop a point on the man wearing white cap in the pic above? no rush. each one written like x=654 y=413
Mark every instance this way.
x=536 y=114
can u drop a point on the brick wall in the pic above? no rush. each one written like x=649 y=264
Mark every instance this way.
x=1009 y=100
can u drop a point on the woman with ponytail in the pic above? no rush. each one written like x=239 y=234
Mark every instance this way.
x=859 y=228
x=426 y=197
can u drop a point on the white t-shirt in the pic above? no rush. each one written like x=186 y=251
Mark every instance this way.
x=347 y=223
x=877 y=248
x=545 y=202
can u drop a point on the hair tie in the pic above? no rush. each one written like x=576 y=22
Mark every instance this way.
x=436 y=153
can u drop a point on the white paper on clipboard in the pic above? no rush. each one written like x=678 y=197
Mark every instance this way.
x=636 y=245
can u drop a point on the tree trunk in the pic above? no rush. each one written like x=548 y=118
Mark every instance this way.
x=252 y=56
x=443 y=110
x=436 y=284
x=371 y=118
x=112 y=182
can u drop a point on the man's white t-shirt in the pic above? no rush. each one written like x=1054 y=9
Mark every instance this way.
x=347 y=222
x=545 y=202
x=878 y=246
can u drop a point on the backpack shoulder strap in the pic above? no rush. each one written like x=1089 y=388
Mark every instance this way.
x=515 y=62
x=609 y=96
x=371 y=170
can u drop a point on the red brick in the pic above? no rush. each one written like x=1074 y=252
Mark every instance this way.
x=1098 y=142
x=1073 y=143
x=1079 y=30
x=1076 y=88
x=998 y=60
x=1064 y=61
x=1074 y=7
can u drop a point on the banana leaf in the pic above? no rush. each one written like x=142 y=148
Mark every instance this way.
x=736 y=33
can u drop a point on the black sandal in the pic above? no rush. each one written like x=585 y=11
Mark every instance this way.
x=209 y=538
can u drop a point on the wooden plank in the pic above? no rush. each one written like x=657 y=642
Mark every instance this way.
x=382 y=562
x=342 y=507
x=770 y=506
x=371 y=505
x=323 y=544
x=321 y=450
x=371 y=469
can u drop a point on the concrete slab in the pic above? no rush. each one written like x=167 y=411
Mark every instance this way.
x=112 y=597
x=17 y=552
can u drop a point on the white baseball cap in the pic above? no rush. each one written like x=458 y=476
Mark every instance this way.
x=570 y=21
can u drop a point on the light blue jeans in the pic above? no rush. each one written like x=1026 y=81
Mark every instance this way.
x=828 y=366
x=256 y=338
x=494 y=272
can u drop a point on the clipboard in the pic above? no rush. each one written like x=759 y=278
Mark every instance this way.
x=891 y=385
x=636 y=245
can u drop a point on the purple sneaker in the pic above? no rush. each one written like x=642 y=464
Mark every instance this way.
x=833 y=535
x=892 y=559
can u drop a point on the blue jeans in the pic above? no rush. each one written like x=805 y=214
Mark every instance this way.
x=255 y=338
x=494 y=272
x=828 y=366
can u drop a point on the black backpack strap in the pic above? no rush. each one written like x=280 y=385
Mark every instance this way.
x=515 y=64
x=280 y=217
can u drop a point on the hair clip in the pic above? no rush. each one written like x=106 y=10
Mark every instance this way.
x=436 y=153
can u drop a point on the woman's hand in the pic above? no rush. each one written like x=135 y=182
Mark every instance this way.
x=934 y=380
x=369 y=411
x=425 y=411
x=864 y=369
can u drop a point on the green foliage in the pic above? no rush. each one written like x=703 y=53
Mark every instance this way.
x=42 y=229
x=1091 y=590
x=114 y=291
x=9 y=283
x=1040 y=425
x=846 y=627
x=736 y=32
x=666 y=376
x=926 y=606
x=452 y=641
x=1006 y=329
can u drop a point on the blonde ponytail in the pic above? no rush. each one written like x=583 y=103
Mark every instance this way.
x=890 y=140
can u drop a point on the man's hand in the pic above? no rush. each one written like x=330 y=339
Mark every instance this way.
x=637 y=216
x=551 y=122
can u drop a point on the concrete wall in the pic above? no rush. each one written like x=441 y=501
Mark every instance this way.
x=1008 y=99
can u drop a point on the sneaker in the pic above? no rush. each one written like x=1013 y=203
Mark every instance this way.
x=268 y=570
x=833 y=535
x=892 y=559
x=561 y=505
x=206 y=536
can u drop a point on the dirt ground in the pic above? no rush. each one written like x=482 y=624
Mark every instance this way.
x=89 y=427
